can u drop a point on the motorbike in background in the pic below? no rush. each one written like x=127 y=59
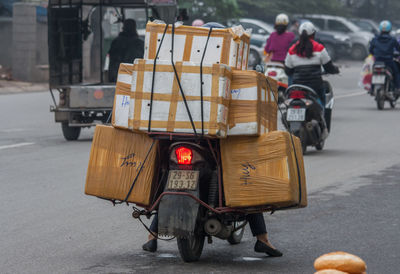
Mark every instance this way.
x=306 y=117
x=382 y=85
x=276 y=71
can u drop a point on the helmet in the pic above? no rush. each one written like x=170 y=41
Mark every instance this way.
x=282 y=19
x=308 y=27
x=385 y=26
x=197 y=23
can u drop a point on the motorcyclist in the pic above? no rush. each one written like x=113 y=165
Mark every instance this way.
x=382 y=47
x=305 y=58
x=256 y=221
x=279 y=41
x=125 y=48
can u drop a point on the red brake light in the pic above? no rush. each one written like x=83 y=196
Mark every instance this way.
x=184 y=155
x=272 y=73
x=297 y=94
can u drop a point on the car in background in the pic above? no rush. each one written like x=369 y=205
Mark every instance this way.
x=338 y=45
x=339 y=25
x=366 y=25
x=259 y=35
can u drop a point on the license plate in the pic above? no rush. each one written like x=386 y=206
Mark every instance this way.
x=378 y=79
x=296 y=114
x=183 y=179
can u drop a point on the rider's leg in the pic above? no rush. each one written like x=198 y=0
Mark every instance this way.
x=151 y=244
x=259 y=230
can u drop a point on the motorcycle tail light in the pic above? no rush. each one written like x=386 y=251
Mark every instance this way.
x=297 y=94
x=184 y=155
x=272 y=73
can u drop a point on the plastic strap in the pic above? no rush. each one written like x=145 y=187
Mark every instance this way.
x=201 y=81
x=294 y=148
x=153 y=78
x=179 y=82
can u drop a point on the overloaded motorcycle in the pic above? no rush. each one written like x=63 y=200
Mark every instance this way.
x=190 y=201
x=382 y=85
x=276 y=71
x=306 y=117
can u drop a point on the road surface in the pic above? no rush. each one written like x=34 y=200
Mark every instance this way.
x=48 y=225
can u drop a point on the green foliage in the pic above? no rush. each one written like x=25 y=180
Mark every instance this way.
x=267 y=9
x=211 y=10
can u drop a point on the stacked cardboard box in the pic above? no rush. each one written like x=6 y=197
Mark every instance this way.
x=120 y=160
x=264 y=170
x=229 y=46
x=218 y=97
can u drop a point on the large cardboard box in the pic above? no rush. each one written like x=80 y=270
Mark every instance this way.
x=168 y=110
x=120 y=113
x=116 y=158
x=230 y=46
x=253 y=109
x=264 y=170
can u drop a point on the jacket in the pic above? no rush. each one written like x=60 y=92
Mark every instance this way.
x=124 y=49
x=307 y=71
x=382 y=47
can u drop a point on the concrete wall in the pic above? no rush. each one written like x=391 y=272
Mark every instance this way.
x=6 y=42
x=29 y=43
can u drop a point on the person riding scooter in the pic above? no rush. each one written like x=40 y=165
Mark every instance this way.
x=256 y=220
x=382 y=47
x=305 y=58
x=279 y=41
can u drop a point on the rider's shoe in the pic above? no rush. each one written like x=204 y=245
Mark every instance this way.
x=264 y=248
x=150 y=246
x=391 y=95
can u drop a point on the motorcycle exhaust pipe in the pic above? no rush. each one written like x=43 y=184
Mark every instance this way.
x=214 y=227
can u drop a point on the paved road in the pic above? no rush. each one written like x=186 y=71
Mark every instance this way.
x=49 y=226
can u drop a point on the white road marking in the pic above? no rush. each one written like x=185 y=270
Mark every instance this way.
x=351 y=94
x=16 y=145
x=11 y=130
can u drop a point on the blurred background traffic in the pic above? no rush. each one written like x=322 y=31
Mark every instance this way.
x=345 y=27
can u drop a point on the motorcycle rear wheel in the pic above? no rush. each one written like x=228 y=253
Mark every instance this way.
x=190 y=248
x=320 y=145
x=380 y=99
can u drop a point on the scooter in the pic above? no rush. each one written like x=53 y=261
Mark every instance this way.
x=306 y=117
x=383 y=86
x=276 y=71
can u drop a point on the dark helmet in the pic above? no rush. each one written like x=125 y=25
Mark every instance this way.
x=129 y=26
x=213 y=25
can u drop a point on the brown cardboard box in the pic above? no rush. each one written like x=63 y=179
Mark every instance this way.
x=253 y=109
x=116 y=157
x=230 y=46
x=122 y=96
x=263 y=170
x=168 y=111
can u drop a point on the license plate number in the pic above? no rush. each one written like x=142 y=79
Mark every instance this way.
x=296 y=114
x=378 y=79
x=183 y=179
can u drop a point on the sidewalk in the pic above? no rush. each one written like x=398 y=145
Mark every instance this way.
x=11 y=87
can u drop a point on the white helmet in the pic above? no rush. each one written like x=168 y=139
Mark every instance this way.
x=282 y=19
x=308 y=27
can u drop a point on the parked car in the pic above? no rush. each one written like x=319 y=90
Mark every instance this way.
x=339 y=25
x=337 y=45
x=366 y=25
x=259 y=35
